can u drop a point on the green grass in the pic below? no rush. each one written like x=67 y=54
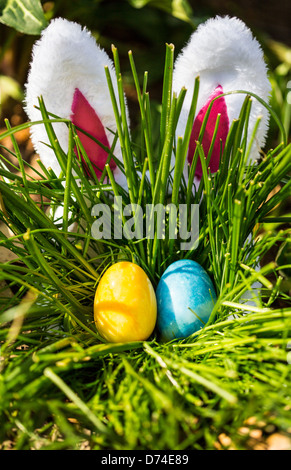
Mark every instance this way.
x=61 y=385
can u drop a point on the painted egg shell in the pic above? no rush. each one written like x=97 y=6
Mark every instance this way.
x=183 y=289
x=125 y=306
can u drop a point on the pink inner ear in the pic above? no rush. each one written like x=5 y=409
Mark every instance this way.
x=218 y=107
x=85 y=117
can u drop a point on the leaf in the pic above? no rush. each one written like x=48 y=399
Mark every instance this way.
x=25 y=16
x=178 y=8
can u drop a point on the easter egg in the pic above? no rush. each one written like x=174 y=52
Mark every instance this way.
x=185 y=296
x=125 y=306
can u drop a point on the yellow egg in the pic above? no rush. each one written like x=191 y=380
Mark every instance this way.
x=125 y=306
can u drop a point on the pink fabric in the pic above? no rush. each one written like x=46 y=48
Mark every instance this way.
x=218 y=107
x=85 y=117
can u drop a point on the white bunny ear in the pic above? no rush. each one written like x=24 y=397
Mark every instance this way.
x=67 y=70
x=226 y=57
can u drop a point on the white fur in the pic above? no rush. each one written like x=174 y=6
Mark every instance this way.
x=223 y=51
x=67 y=57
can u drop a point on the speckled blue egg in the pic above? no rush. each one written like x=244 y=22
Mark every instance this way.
x=184 y=288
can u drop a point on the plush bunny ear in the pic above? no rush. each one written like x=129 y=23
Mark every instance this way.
x=218 y=107
x=226 y=57
x=67 y=70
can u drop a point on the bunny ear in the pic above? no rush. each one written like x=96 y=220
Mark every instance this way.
x=218 y=107
x=67 y=70
x=226 y=57
x=85 y=117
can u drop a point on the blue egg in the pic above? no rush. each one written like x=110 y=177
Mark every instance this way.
x=184 y=293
